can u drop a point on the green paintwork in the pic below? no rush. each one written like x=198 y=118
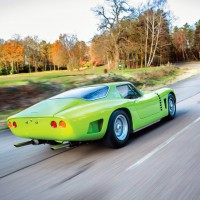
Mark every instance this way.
x=88 y=120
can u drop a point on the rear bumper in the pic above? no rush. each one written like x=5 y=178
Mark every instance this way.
x=40 y=128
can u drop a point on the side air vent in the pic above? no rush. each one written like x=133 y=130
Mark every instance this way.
x=165 y=102
x=95 y=126
x=160 y=101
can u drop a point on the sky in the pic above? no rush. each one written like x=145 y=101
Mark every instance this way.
x=49 y=18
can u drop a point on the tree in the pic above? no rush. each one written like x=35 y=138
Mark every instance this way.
x=131 y=43
x=111 y=14
x=153 y=17
x=197 y=39
x=180 y=42
x=81 y=53
x=45 y=49
x=32 y=52
x=58 y=54
x=99 y=50
x=77 y=52
x=189 y=31
x=13 y=54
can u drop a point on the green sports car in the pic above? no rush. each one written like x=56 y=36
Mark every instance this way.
x=108 y=111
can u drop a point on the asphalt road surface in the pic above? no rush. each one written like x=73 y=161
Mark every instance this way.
x=161 y=162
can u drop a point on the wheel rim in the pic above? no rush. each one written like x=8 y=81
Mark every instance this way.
x=121 y=127
x=172 y=106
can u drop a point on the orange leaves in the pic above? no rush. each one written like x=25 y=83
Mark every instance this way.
x=31 y=53
x=179 y=39
x=58 y=54
x=13 y=51
x=98 y=50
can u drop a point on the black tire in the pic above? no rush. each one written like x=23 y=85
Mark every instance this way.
x=171 y=107
x=118 y=130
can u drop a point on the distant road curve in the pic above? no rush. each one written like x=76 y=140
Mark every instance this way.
x=196 y=63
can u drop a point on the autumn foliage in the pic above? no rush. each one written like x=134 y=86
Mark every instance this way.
x=30 y=54
x=58 y=54
x=13 y=53
x=141 y=37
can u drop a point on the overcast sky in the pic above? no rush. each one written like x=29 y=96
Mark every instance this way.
x=49 y=18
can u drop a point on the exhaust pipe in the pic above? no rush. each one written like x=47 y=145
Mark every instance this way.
x=33 y=142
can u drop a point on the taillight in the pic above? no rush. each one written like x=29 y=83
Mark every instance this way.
x=14 y=124
x=53 y=124
x=62 y=124
x=9 y=124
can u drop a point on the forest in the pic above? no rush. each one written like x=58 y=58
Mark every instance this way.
x=138 y=37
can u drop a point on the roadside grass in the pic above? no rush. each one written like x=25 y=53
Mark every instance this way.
x=158 y=76
x=20 y=91
x=61 y=77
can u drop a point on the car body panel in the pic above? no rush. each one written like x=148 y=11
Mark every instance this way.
x=48 y=108
x=88 y=120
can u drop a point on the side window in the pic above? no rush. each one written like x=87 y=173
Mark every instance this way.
x=127 y=91
x=135 y=91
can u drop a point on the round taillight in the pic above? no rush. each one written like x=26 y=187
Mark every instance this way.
x=62 y=124
x=9 y=124
x=53 y=124
x=14 y=124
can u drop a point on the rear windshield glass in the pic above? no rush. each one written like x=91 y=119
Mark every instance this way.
x=87 y=93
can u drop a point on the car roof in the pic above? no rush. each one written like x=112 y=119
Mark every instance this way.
x=113 y=83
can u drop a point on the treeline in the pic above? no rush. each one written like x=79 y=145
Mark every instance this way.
x=136 y=37
x=142 y=36
x=30 y=54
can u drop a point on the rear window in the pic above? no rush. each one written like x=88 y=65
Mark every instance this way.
x=87 y=93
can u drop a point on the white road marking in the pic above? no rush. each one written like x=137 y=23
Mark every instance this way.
x=161 y=146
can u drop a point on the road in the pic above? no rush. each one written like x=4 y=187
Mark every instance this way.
x=160 y=162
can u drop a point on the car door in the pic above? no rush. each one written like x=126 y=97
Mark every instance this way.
x=146 y=105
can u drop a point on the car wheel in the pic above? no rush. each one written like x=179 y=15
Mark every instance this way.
x=118 y=130
x=171 y=106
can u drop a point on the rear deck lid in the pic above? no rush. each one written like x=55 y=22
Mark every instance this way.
x=49 y=107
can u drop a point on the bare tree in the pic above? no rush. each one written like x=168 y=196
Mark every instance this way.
x=111 y=14
x=153 y=16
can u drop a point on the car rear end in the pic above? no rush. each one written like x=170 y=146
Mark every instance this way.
x=44 y=128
